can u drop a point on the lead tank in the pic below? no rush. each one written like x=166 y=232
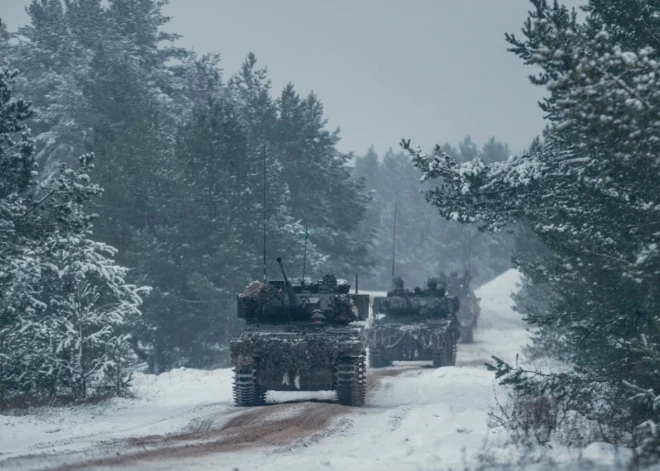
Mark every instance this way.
x=414 y=325
x=300 y=337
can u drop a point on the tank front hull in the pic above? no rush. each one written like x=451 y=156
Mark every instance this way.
x=317 y=378
x=295 y=361
x=409 y=342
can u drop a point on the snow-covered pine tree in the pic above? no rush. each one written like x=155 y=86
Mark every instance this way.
x=56 y=339
x=590 y=195
x=72 y=321
x=87 y=317
x=53 y=65
x=5 y=49
x=249 y=89
x=17 y=269
x=199 y=78
x=57 y=52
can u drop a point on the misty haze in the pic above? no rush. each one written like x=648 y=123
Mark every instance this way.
x=294 y=235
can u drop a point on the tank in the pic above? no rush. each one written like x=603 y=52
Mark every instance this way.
x=302 y=337
x=414 y=325
x=468 y=314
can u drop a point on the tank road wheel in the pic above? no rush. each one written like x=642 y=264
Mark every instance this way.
x=246 y=389
x=467 y=334
x=376 y=359
x=350 y=380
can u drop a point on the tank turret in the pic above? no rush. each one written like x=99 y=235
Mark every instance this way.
x=281 y=302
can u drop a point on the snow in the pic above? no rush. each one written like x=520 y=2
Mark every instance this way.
x=165 y=403
x=415 y=418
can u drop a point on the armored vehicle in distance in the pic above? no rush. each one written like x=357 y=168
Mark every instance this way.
x=300 y=338
x=468 y=314
x=414 y=325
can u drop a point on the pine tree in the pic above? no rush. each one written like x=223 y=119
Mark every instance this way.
x=56 y=55
x=589 y=193
x=323 y=193
x=86 y=319
x=5 y=48
x=64 y=299
x=16 y=171
x=53 y=65
x=467 y=149
x=250 y=89
x=199 y=79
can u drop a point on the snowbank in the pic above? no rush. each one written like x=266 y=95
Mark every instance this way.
x=163 y=403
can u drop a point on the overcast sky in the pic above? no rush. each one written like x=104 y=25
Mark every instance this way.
x=429 y=70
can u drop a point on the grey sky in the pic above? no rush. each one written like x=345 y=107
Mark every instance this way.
x=430 y=70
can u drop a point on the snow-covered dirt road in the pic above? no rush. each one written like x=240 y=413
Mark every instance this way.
x=415 y=418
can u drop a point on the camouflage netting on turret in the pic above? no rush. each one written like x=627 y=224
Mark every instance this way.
x=411 y=340
x=291 y=354
x=257 y=294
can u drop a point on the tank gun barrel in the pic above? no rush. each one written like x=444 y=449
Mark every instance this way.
x=293 y=299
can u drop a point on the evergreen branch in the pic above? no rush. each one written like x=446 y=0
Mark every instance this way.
x=624 y=86
x=611 y=257
x=46 y=197
x=643 y=225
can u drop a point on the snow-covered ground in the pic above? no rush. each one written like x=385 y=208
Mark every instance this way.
x=416 y=418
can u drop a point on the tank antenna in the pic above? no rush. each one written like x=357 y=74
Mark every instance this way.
x=305 y=254
x=469 y=252
x=396 y=200
x=264 y=208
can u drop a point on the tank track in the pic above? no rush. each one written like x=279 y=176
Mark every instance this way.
x=350 y=380
x=246 y=388
x=445 y=357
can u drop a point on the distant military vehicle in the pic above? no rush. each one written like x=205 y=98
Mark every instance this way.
x=468 y=314
x=300 y=338
x=414 y=325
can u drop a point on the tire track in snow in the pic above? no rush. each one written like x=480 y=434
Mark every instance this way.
x=286 y=425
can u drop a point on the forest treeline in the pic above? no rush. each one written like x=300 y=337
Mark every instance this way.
x=134 y=176
x=424 y=244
